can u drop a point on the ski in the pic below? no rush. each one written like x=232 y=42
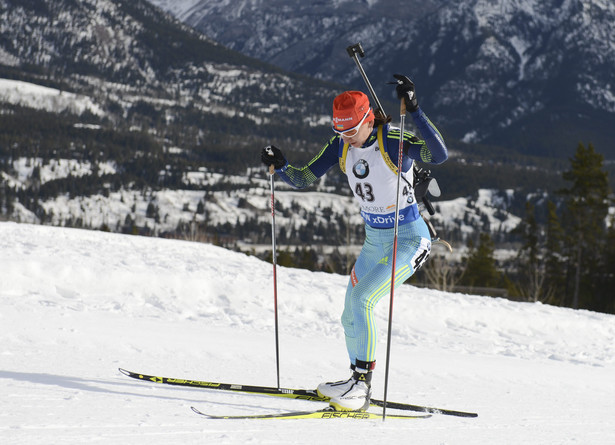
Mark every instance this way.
x=291 y=393
x=321 y=414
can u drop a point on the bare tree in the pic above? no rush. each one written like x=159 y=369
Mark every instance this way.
x=440 y=273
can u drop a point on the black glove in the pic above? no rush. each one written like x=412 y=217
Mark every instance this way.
x=271 y=155
x=405 y=90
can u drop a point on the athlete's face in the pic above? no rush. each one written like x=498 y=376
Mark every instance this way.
x=358 y=139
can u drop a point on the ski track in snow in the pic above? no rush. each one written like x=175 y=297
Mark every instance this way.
x=75 y=305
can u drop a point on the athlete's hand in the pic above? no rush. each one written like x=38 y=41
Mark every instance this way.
x=271 y=155
x=405 y=90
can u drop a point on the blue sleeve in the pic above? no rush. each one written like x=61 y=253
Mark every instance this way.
x=321 y=163
x=432 y=149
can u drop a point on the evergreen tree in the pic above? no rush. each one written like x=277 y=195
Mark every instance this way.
x=531 y=284
x=587 y=205
x=553 y=256
x=605 y=300
x=480 y=269
x=284 y=259
x=306 y=258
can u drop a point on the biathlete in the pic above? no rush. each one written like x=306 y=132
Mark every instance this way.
x=366 y=149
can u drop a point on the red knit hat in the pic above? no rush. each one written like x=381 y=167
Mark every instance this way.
x=349 y=108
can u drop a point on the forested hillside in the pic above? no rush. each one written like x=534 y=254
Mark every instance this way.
x=114 y=116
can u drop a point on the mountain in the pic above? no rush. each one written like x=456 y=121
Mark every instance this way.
x=115 y=99
x=147 y=71
x=116 y=116
x=532 y=76
x=75 y=305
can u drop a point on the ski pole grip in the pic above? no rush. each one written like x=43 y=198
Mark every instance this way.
x=355 y=49
x=271 y=169
x=402 y=107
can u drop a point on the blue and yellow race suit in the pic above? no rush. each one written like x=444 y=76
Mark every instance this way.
x=372 y=175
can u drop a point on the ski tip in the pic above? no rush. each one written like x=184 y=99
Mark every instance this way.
x=464 y=414
x=124 y=371
x=197 y=411
x=448 y=412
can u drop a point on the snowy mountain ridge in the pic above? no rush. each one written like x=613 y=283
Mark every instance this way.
x=126 y=56
x=505 y=63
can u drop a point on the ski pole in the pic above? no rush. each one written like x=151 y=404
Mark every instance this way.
x=353 y=51
x=402 y=118
x=275 y=281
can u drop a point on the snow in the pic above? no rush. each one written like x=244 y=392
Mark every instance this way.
x=486 y=211
x=8 y=59
x=31 y=95
x=487 y=207
x=75 y=305
x=521 y=47
x=56 y=168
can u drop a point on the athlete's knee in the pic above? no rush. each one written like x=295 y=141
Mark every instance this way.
x=365 y=302
x=348 y=320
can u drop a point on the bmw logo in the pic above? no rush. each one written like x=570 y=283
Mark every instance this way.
x=361 y=169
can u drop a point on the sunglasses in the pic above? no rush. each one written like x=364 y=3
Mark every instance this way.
x=352 y=132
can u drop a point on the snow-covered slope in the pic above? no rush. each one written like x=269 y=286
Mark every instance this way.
x=75 y=305
x=27 y=94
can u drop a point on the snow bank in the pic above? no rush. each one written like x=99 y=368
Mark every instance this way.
x=75 y=305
